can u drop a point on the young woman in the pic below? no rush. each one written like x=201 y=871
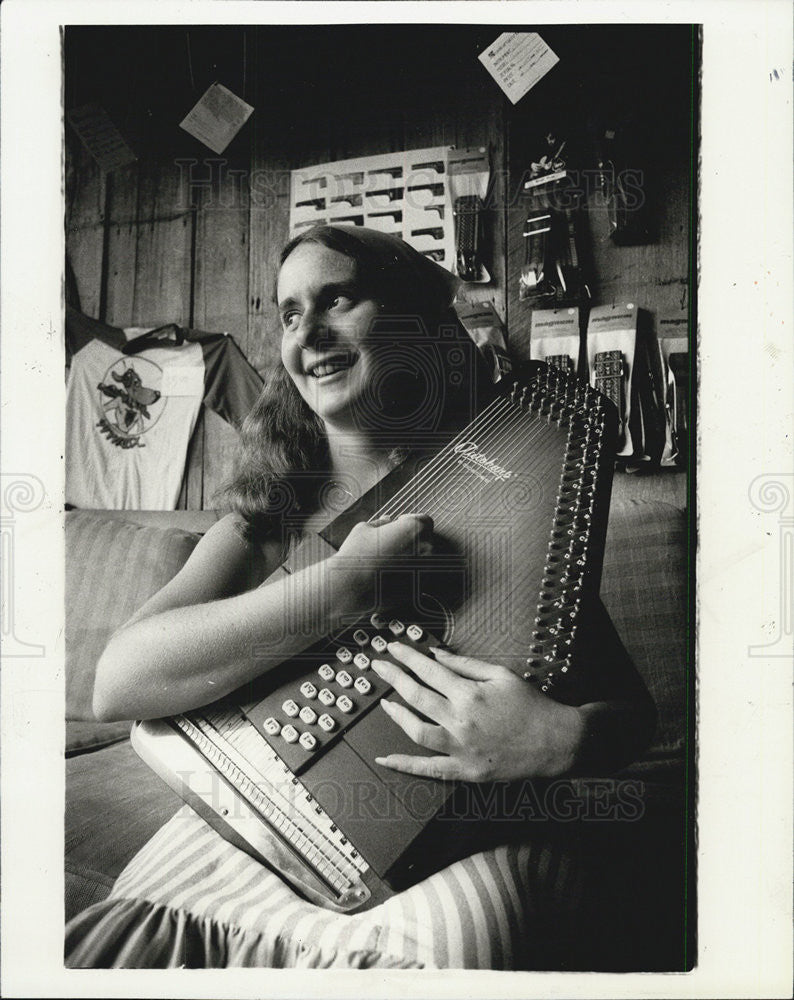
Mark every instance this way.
x=350 y=397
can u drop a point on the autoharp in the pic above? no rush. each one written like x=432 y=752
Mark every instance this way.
x=519 y=500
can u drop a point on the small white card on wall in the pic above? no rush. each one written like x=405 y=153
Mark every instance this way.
x=101 y=137
x=183 y=380
x=517 y=60
x=217 y=117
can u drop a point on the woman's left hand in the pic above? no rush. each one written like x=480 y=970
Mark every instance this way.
x=486 y=723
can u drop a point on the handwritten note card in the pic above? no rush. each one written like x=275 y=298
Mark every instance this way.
x=217 y=117
x=100 y=137
x=517 y=60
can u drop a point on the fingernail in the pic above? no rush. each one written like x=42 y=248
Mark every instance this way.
x=380 y=760
x=378 y=664
x=385 y=704
x=395 y=642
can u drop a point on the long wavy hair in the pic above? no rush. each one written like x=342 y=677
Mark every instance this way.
x=283 y=459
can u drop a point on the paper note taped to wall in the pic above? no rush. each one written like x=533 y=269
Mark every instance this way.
x=100 y=137
x=517 y=60
x=217 y=117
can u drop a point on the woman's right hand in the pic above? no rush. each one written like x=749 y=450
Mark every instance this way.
x=374 y=550
x=378 y=542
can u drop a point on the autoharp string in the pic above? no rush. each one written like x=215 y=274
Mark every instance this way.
x=432 y=476
x=449 y=473
x=500 y=434
x=501 y=444
x=502 y=450
x=431 y=473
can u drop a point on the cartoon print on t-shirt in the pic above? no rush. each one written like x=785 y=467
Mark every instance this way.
x=130 y=407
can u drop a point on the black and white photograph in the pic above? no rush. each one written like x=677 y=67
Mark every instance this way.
x=381 y=399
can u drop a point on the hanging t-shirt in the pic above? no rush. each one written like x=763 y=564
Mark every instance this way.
x=132 y=408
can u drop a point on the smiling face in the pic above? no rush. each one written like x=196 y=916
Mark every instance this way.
x=326 y=319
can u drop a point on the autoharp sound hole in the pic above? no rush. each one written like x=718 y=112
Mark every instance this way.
x=434 y=616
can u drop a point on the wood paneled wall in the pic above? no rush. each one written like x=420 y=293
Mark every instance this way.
x=184 y=236
x=643 y=84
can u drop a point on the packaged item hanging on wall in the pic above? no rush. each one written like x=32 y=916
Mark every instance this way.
x=554 y=337
x=468 y=172
x=625 y=177
x=552 y=273
x=674 y=358
x=482 y=323
x=620 y=367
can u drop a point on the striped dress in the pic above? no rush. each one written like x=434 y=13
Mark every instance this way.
x=190 y=899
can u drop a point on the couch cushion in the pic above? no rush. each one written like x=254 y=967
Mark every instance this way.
x=644 y=587
x=112 y=568
x=114 y=804
x=85 y=737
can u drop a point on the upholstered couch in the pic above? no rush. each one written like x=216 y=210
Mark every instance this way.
x=637 y=894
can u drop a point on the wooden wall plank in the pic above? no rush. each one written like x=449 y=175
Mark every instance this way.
x=220 y=445
x=219 y=301
x=161 y=292
x=122 y=247
x=191 y=493
x=221 y=261
x=85 y=223
x=268 y=230
x=268 y=226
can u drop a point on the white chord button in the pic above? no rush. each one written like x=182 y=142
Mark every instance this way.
x=271 y=726
x=307 y=741
x=290 y=708
x=308 y=715
x=326 y=697
x=360 y=637
x=327 y=723
x=290 y=733
x=362 y=661
x=396 y=627
x=345 y=704
x=308 y=690
x=379 y=644
x=343 y=679
x=414 y=632
x=362 y=685
x=326 y=671
x=344 y=655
